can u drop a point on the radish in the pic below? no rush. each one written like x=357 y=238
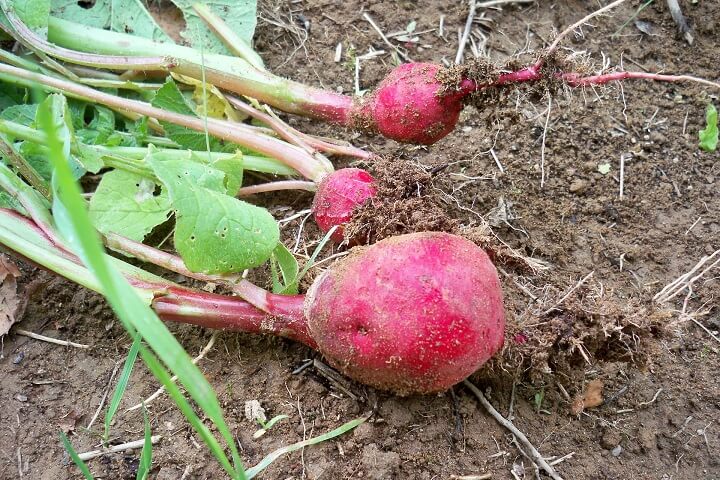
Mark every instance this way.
x=338 y=195
x=410 y=105
x=415 y=313
x=412 y=314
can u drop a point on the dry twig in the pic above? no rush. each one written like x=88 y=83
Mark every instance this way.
x=521 y=438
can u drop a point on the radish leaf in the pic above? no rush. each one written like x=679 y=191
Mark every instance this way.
x=214 y=232
x=127 y=204
x=34 y=13
x=239 y=15
x=709 y=135
x=169 y=97
x=125 y=16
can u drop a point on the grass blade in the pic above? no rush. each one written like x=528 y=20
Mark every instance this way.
x=146 y=454
x=75 y=458
x=265 y=462
x=121 y=385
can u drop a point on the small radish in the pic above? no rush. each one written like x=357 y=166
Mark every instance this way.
x=410 y=105
x=338 y=195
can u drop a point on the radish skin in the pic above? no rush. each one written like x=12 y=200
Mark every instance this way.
x=416 y=313
x=410 y=105
x=338 y=195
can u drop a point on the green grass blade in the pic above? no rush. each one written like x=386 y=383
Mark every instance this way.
x=146 y=454
x=265 y=462
x=75 y=458
x=315 y=254
x=183 y=405
x=121 y=385
x=123 y=298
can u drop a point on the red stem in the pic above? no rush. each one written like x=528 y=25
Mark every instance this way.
x=231 y=313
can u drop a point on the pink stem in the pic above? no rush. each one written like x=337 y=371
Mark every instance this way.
x=292 y=156
x=278 y=186
x=576 y=80
x=230 y=313
x=295 y=136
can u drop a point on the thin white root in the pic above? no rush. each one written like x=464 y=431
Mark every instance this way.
x=686 y=281
x=43 y=338
x=160 y=390
x=521 y=438
x=466 y=33
x=580 y=23
x=565 y=297
x=119 y=448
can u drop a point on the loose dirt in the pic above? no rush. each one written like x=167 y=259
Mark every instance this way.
x=550 y=218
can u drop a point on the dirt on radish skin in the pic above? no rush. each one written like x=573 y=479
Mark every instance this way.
x=405 y=202
x=410 y=105
x=412 y=314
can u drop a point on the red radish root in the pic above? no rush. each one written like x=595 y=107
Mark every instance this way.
x=415 y=313
x=337 y=196
x=410 y=105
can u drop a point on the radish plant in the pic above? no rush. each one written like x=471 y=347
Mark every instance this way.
x=339 y=193
x=416 y=103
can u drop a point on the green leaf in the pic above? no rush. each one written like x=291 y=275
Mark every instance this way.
x=288 y=268
x=169 y=97
x=121 y=385
x=146 y=454
x=709 y=135
x=11 y=95
x=100 y=128
x=8 y=201
x=22 y=114
x=239 y=15
x=125 y=16
x=604 y=168
x=214 y=232
x=128 y=204
x=34 y=13
x=75 y=458
x=233 y=169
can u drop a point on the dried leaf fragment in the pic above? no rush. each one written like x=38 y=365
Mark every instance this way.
x=592 y=397
x=9 y=299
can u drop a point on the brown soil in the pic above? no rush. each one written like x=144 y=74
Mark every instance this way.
x=658 y=369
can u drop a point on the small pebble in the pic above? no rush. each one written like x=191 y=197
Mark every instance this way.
x=18 y=358
x=21 y=398
x=617 y=451
x=578 y=186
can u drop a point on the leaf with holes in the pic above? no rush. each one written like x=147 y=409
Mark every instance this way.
x=214 y=232
x=125 y=16
x=128 y=204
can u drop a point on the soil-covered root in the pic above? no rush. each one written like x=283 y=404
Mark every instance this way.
x=587 y=328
